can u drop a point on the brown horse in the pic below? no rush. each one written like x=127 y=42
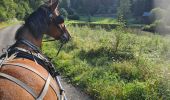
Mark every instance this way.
x=25 y=73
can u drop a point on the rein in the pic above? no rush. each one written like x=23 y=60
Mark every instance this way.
x=62 y=44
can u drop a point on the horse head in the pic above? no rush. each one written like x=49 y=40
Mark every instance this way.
x=45 y=20
x=57 y=29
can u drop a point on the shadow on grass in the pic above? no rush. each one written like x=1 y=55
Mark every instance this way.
x=104 y=56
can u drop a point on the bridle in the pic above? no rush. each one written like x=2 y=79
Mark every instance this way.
x=57 y=21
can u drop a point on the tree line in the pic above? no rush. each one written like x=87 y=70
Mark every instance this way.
x=128 y=8
x=19 y=9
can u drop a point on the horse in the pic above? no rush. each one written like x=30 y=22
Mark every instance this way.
x=25 y=73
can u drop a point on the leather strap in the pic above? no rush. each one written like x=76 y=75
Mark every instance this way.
x=29 y=44
x=34 y=71
x=20 y=83
x=45 y=89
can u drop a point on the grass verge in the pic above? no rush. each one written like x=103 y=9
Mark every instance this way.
x=9 y=23
x=115 y=65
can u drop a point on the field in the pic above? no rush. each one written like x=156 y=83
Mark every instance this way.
x=115 y=65
x=95 y=20
x=103 y=22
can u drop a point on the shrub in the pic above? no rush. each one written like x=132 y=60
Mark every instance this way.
x=74 y=17
x=3 y=16
x=157 y=14
x=63 y=12
x=158 y=26
x=135 y=91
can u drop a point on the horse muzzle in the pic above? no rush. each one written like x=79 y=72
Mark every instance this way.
x=65 y=37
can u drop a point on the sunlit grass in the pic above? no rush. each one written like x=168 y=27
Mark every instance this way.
x=133 y=71
x=9 y=23
x=94 y=20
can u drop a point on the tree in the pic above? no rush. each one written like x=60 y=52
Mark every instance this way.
x=63 y=12
x=65 y=4
x=124 y=9
x=7 y=8
x=141 y=6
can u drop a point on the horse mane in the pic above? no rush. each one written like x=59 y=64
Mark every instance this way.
x=37 y=23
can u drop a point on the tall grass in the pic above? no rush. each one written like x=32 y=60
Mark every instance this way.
x=114 y=65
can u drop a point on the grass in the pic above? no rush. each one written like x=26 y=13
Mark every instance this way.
x=115 y=65
x=94 y=20
x=9 y=23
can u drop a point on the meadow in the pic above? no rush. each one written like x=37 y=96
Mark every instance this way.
x=115 y=65
x=95 y=20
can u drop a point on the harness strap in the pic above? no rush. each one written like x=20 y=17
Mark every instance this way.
x=20 y=83
x=29 y=44
x=34 y=71
x=45 y=89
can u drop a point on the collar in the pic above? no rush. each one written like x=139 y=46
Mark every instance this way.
x=37 y=57
x=29 y=44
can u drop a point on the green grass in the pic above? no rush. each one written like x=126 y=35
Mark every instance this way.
x=9 y=23
x=115 y=65
x=94 y=20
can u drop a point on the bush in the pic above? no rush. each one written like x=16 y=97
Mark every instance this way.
x=71 y=11
x=3 y=16
x=157 y=14
x=135 y=91
x=149 y=28
x=63 y=12
x=158 y=27
x=74 y=17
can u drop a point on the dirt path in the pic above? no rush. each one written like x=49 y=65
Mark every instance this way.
x=7 y=38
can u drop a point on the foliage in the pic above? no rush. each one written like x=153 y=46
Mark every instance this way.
x=74 y=17
x=124 y=9
x=94 y=6
x=64 y=12
x=8 y=23
x=157 y=14
x=159 y=21
x=20 y=9
x=6 y=7
x=95 y=20
x=134 y=71
x=140 y=6
x=10 y=9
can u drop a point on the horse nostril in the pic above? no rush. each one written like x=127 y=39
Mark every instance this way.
x=65 y=38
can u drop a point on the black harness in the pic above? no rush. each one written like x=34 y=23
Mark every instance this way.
x=34 y=55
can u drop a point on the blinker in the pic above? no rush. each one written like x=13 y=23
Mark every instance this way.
x=59 y=20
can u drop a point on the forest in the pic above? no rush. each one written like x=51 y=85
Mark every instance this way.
x=132 y=11
x=128 y=8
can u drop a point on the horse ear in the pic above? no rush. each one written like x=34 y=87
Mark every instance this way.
x=54 y=4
